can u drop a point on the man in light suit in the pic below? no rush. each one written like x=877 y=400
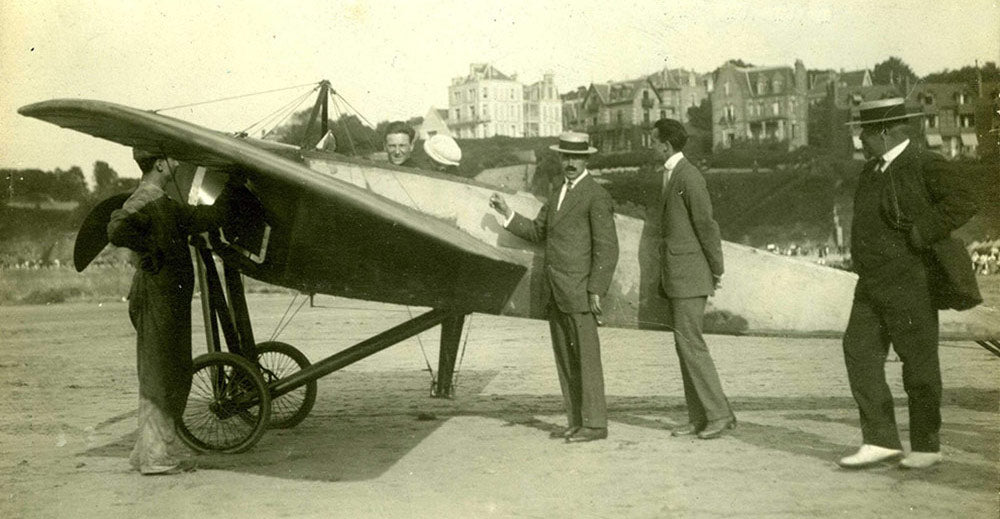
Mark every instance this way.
x=581 y=250
x=690 y=270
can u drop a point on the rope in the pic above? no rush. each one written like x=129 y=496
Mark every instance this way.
x=230 y=98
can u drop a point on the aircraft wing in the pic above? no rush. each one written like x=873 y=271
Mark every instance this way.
x=327 y=235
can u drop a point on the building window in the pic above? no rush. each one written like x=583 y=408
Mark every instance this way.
x=725 y=87
x=663 y=114
x=761 y=86
x=486 y=93
x=458 y=114
x=929 y=99
x=619 y=116
x=777 y=86
x=645 y=116
x=931 y=121
x=645 y=95
x=730 y=113
x=775 y=108
x=967 y=121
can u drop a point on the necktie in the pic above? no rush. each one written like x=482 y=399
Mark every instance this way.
x=567 y=185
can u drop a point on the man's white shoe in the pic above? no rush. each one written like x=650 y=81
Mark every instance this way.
x=867 y=456
x=920 y=460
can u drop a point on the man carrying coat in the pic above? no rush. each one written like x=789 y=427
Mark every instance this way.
x=907 y=199
x=690 y=271
x=577 y=226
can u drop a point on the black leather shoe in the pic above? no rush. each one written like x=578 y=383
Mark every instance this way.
x=588 y=434
x=562 y=434
x=687 y=429
x=715 y=428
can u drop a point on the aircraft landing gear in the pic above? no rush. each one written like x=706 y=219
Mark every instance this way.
x=228 y=406
x=278 y=360
x=237 y=395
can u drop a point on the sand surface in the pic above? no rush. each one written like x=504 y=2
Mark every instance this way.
x=368 y=448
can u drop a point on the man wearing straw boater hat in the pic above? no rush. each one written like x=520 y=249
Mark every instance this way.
x=577 y=226
x=907 y=199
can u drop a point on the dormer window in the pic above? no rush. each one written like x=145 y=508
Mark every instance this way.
x=928 y=99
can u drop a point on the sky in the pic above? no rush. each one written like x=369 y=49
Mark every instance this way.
x=395 y=59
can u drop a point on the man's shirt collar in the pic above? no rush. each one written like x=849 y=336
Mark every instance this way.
x=891 y=155
x=671 y=163
x=570 y=184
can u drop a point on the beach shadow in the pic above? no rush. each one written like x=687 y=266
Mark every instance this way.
x=365 y=422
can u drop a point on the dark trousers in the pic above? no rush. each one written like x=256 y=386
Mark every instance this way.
x=901 y=314
x=578 y=361
x=702 y=388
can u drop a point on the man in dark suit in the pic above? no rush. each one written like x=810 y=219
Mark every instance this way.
x=691 y=269
x=581 y=250
x=907 y=199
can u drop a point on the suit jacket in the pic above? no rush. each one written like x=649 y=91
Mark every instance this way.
x=931 y=199
x=581 y=244
x=690 y=246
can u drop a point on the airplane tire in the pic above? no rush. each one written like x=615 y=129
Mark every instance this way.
x=278 y=360
x=214 y=419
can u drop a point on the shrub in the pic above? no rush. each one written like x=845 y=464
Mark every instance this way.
x=723 y=322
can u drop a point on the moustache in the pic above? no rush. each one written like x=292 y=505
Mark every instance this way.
x=569 y=168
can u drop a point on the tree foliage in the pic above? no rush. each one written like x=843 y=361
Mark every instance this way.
x=352 y=136
x=700 y=116
x=967 y=74
x=893 y=71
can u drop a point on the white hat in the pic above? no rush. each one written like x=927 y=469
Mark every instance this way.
x=575 y=143
x=443 y=150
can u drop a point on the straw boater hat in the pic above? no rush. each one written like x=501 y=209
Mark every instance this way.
x=574 y=143
x=882 y=111
x=443 y=150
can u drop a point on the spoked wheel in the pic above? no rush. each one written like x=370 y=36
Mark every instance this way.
x=228 y=406
x=278 y=360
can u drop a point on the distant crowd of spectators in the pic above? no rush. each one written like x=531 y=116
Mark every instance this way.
x=985 y=260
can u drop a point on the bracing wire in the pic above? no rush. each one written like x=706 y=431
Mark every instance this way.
x=461 y=357
x=278 y=327
x=230 y=98
x=286 y=109
x=289 y=321
x=421 y=343
x=344 y=124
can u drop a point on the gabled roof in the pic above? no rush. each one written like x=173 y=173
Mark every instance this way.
x=478 y=71
x=855 y=78
x=766 y=77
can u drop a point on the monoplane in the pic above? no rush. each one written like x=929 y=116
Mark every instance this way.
x=320 y=222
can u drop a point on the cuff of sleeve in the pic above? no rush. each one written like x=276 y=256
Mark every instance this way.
x=507 y=220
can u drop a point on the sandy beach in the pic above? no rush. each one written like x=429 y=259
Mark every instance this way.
x=376 y=445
